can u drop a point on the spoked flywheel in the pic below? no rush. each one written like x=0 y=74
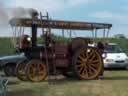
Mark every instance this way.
x=20 y=70
x=36 y=70
x=87 y=63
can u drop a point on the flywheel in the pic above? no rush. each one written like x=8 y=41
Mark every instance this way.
x=87 y=63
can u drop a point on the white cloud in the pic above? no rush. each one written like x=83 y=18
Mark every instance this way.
x=119 y=21
x=49 y=5
x=124 y=8
x=40 y=5
x=119 y=30
x=109 y=15
x=78 y=2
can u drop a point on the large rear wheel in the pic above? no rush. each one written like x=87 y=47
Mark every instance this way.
x=36 y=70
x=87 y=63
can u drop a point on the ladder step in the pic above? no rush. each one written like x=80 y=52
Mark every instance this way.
x=44 y=16
x=53 y=59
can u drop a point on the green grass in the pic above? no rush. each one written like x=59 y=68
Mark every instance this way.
x=6 y=47
x=114 y=83
x=122 y=42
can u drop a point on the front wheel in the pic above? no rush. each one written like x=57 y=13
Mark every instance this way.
x=20 y=70
x=36 y=70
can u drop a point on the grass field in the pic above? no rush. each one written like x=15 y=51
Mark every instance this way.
x=6 y=47
x=114 y=83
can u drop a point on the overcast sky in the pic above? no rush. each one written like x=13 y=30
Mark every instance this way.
x=105 y=11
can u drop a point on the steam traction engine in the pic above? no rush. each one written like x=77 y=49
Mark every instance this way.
x=51 y=56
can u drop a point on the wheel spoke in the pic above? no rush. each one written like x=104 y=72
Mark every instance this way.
x=91 y=59
x=89 y=71
x=83 y=55
x=81 y=65
x=94 y=61
x=87 y=75
x=79 y=61
x=89 y=63
x=93 y=65
x=41 y=73
x=83 y=72
x=81 y=58
x=36 y=70
x=81 y=68
x=93 y=69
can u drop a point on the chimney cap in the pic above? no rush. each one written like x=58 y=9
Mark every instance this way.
x=33 y=13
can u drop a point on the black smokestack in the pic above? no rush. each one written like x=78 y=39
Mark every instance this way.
x=32 y=12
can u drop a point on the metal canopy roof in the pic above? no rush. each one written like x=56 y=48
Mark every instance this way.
x=58 y=24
